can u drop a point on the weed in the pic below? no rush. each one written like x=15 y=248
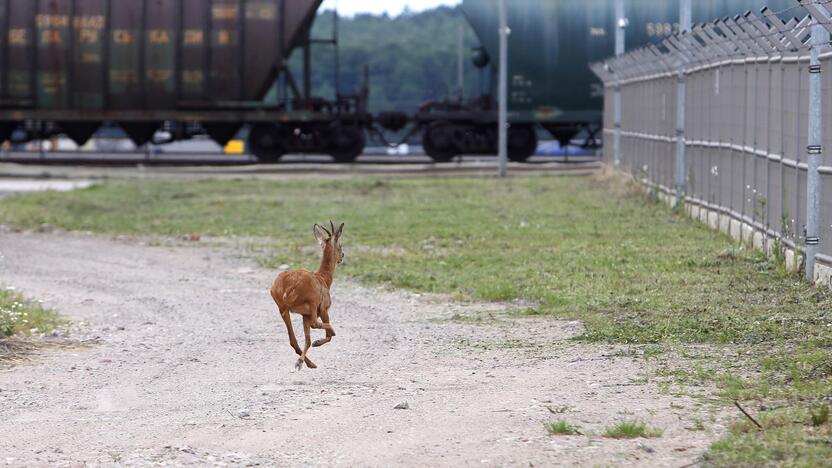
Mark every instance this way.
x=560 y=409
x=19 y=316
x=561 y=427
x=632 y=430
x=698 y=424
x=820 y=417
x=652 y=351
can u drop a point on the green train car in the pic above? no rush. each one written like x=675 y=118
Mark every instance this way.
x=551 y=45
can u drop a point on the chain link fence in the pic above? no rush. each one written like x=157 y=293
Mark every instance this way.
x=749 y=151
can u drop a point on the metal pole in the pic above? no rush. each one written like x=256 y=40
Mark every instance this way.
x=820 y=37
x=684 y=27
x=460 y=65
x=620 y=26
x=503 y=92
x=307 y=65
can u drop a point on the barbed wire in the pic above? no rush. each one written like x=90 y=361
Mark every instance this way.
x=723 y=39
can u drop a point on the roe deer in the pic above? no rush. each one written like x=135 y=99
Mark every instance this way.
x=307 y=294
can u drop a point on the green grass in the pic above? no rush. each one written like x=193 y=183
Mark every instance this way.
x=19 y=317
x=632 y=430
x=788 y=438
x=561 y=427
x=632 y=270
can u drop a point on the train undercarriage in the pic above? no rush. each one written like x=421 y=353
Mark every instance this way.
x=452 y=128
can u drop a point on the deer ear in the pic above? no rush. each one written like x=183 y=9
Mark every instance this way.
x=339 y=231
x=320 y=234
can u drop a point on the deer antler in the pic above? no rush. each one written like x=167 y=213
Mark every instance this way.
x=325 y=230
x=332 y=226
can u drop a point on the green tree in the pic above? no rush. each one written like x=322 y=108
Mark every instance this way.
x=411 y=58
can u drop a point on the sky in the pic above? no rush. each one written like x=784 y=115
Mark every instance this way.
x=392 y=7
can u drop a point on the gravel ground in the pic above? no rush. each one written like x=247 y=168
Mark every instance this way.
x=194 y=367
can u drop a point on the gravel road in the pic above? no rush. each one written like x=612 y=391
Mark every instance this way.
x=194 y=367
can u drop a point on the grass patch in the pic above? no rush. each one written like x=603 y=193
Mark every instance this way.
x=788 y=438
x=561 y=427
x=634 y=272
x=23 y=318
x=632 y=430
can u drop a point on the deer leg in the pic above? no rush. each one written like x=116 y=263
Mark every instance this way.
x=307 y=343
x=292 y=340
x=330 y=332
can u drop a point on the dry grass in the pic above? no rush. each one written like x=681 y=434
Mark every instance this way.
x=15 y=351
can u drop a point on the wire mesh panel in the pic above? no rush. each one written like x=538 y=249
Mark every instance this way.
x=826 y=216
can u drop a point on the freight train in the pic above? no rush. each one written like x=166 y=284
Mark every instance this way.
x=190 y=66
x=204 y=67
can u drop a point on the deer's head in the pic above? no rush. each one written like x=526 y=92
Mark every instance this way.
x=330 y=240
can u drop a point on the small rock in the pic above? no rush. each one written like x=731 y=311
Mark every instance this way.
x=243 y=413
x=283 y=267
x=185 y=449
x=646 y=448
x=402 y=405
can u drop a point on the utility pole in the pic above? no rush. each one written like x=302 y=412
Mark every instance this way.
x=502 y=121
x=460 y=65
x=621 y=23
x=684 y=28
x=820 y=38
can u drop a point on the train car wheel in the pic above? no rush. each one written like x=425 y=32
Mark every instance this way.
x=265 y=143
x=438 y=142
x=6 y=130
x=347 y=144
x=522 y=142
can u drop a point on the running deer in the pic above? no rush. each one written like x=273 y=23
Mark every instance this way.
x=306 y=293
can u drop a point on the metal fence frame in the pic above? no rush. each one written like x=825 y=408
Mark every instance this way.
x=752 y=138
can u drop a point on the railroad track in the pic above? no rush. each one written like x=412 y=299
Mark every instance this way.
x=216 y=159
x=96 y=166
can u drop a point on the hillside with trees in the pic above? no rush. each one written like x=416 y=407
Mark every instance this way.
x=412 y=58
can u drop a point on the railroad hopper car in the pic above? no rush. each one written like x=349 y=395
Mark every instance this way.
x=551 y=45
x=190 y=66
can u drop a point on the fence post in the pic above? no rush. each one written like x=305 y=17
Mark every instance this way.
x=820 y=37
x=621 y=24
x=684 y=27
x=502 y=120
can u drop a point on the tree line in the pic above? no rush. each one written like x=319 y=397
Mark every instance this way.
x=412 y=58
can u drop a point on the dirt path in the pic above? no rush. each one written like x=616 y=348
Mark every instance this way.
x=190 y=338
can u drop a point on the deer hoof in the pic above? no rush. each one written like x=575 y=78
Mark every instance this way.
x=311 y=364
x=299 y=364
x=320 y=342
